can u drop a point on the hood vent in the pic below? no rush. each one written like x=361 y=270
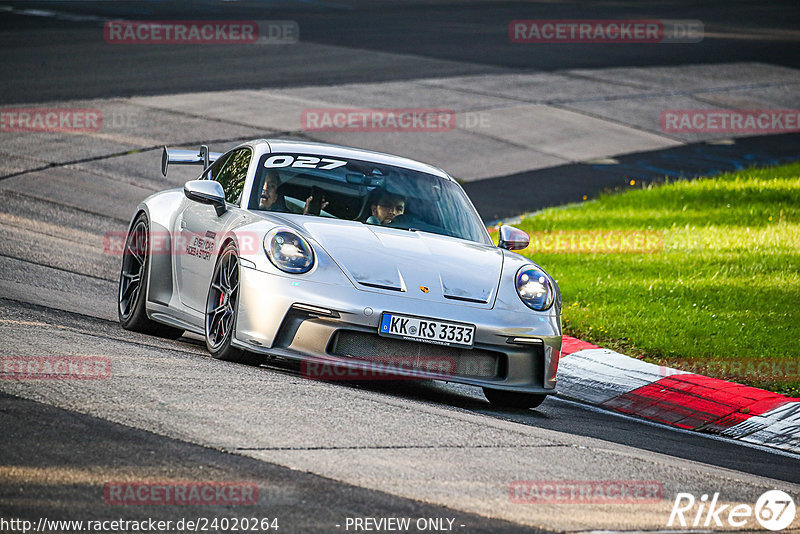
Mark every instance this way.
x=381 y=286
x=466 y=299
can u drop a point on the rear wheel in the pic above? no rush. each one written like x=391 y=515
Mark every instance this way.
x=133 y=284
x=222 y=308
x=513 y=399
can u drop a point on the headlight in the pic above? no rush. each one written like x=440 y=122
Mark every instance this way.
x=288 y=251
x=535 y=288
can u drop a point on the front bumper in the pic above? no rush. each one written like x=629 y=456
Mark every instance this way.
x=318 y=322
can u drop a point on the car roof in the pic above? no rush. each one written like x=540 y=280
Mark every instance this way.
x=310 y=147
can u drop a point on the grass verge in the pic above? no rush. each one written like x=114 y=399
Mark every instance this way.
x=702 y=275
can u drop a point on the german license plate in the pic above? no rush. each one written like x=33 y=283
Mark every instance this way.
x=426 y=330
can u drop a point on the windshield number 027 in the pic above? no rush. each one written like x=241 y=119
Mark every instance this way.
x=303 y=162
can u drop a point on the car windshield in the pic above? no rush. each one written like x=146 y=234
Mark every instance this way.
x=364 y=191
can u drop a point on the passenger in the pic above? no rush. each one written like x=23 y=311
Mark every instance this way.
x=386 y=207
x=315 y=208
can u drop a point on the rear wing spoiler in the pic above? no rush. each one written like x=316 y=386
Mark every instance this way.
x=187 y=157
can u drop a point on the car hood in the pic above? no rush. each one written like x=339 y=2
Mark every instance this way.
x=418 y=264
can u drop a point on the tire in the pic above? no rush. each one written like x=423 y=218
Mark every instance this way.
x=222 y=309
x=513 y=399
x=133 y=277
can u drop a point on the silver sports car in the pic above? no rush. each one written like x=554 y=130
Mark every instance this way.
x=358 y=264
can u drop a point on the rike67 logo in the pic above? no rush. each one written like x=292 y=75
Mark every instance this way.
x=774 y=510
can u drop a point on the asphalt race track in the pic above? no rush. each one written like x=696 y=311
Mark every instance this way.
x=356 y=42
x=318 y=452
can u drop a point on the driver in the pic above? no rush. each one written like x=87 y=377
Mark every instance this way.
x=270 y=200
x=386 y=207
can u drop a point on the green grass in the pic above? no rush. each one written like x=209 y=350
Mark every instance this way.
x=725 y=288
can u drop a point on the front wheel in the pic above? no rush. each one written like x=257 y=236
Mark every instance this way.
x=513 y=399
x=222 y=306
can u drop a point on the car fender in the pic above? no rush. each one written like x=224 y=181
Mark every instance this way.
x=161 y=210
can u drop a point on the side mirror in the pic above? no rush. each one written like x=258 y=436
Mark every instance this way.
x=511 y=238
x=206 y=192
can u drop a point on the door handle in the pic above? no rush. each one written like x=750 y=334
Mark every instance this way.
x=183 y=225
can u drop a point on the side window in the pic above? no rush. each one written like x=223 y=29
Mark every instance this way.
x=232 y=174
x=211 y=172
